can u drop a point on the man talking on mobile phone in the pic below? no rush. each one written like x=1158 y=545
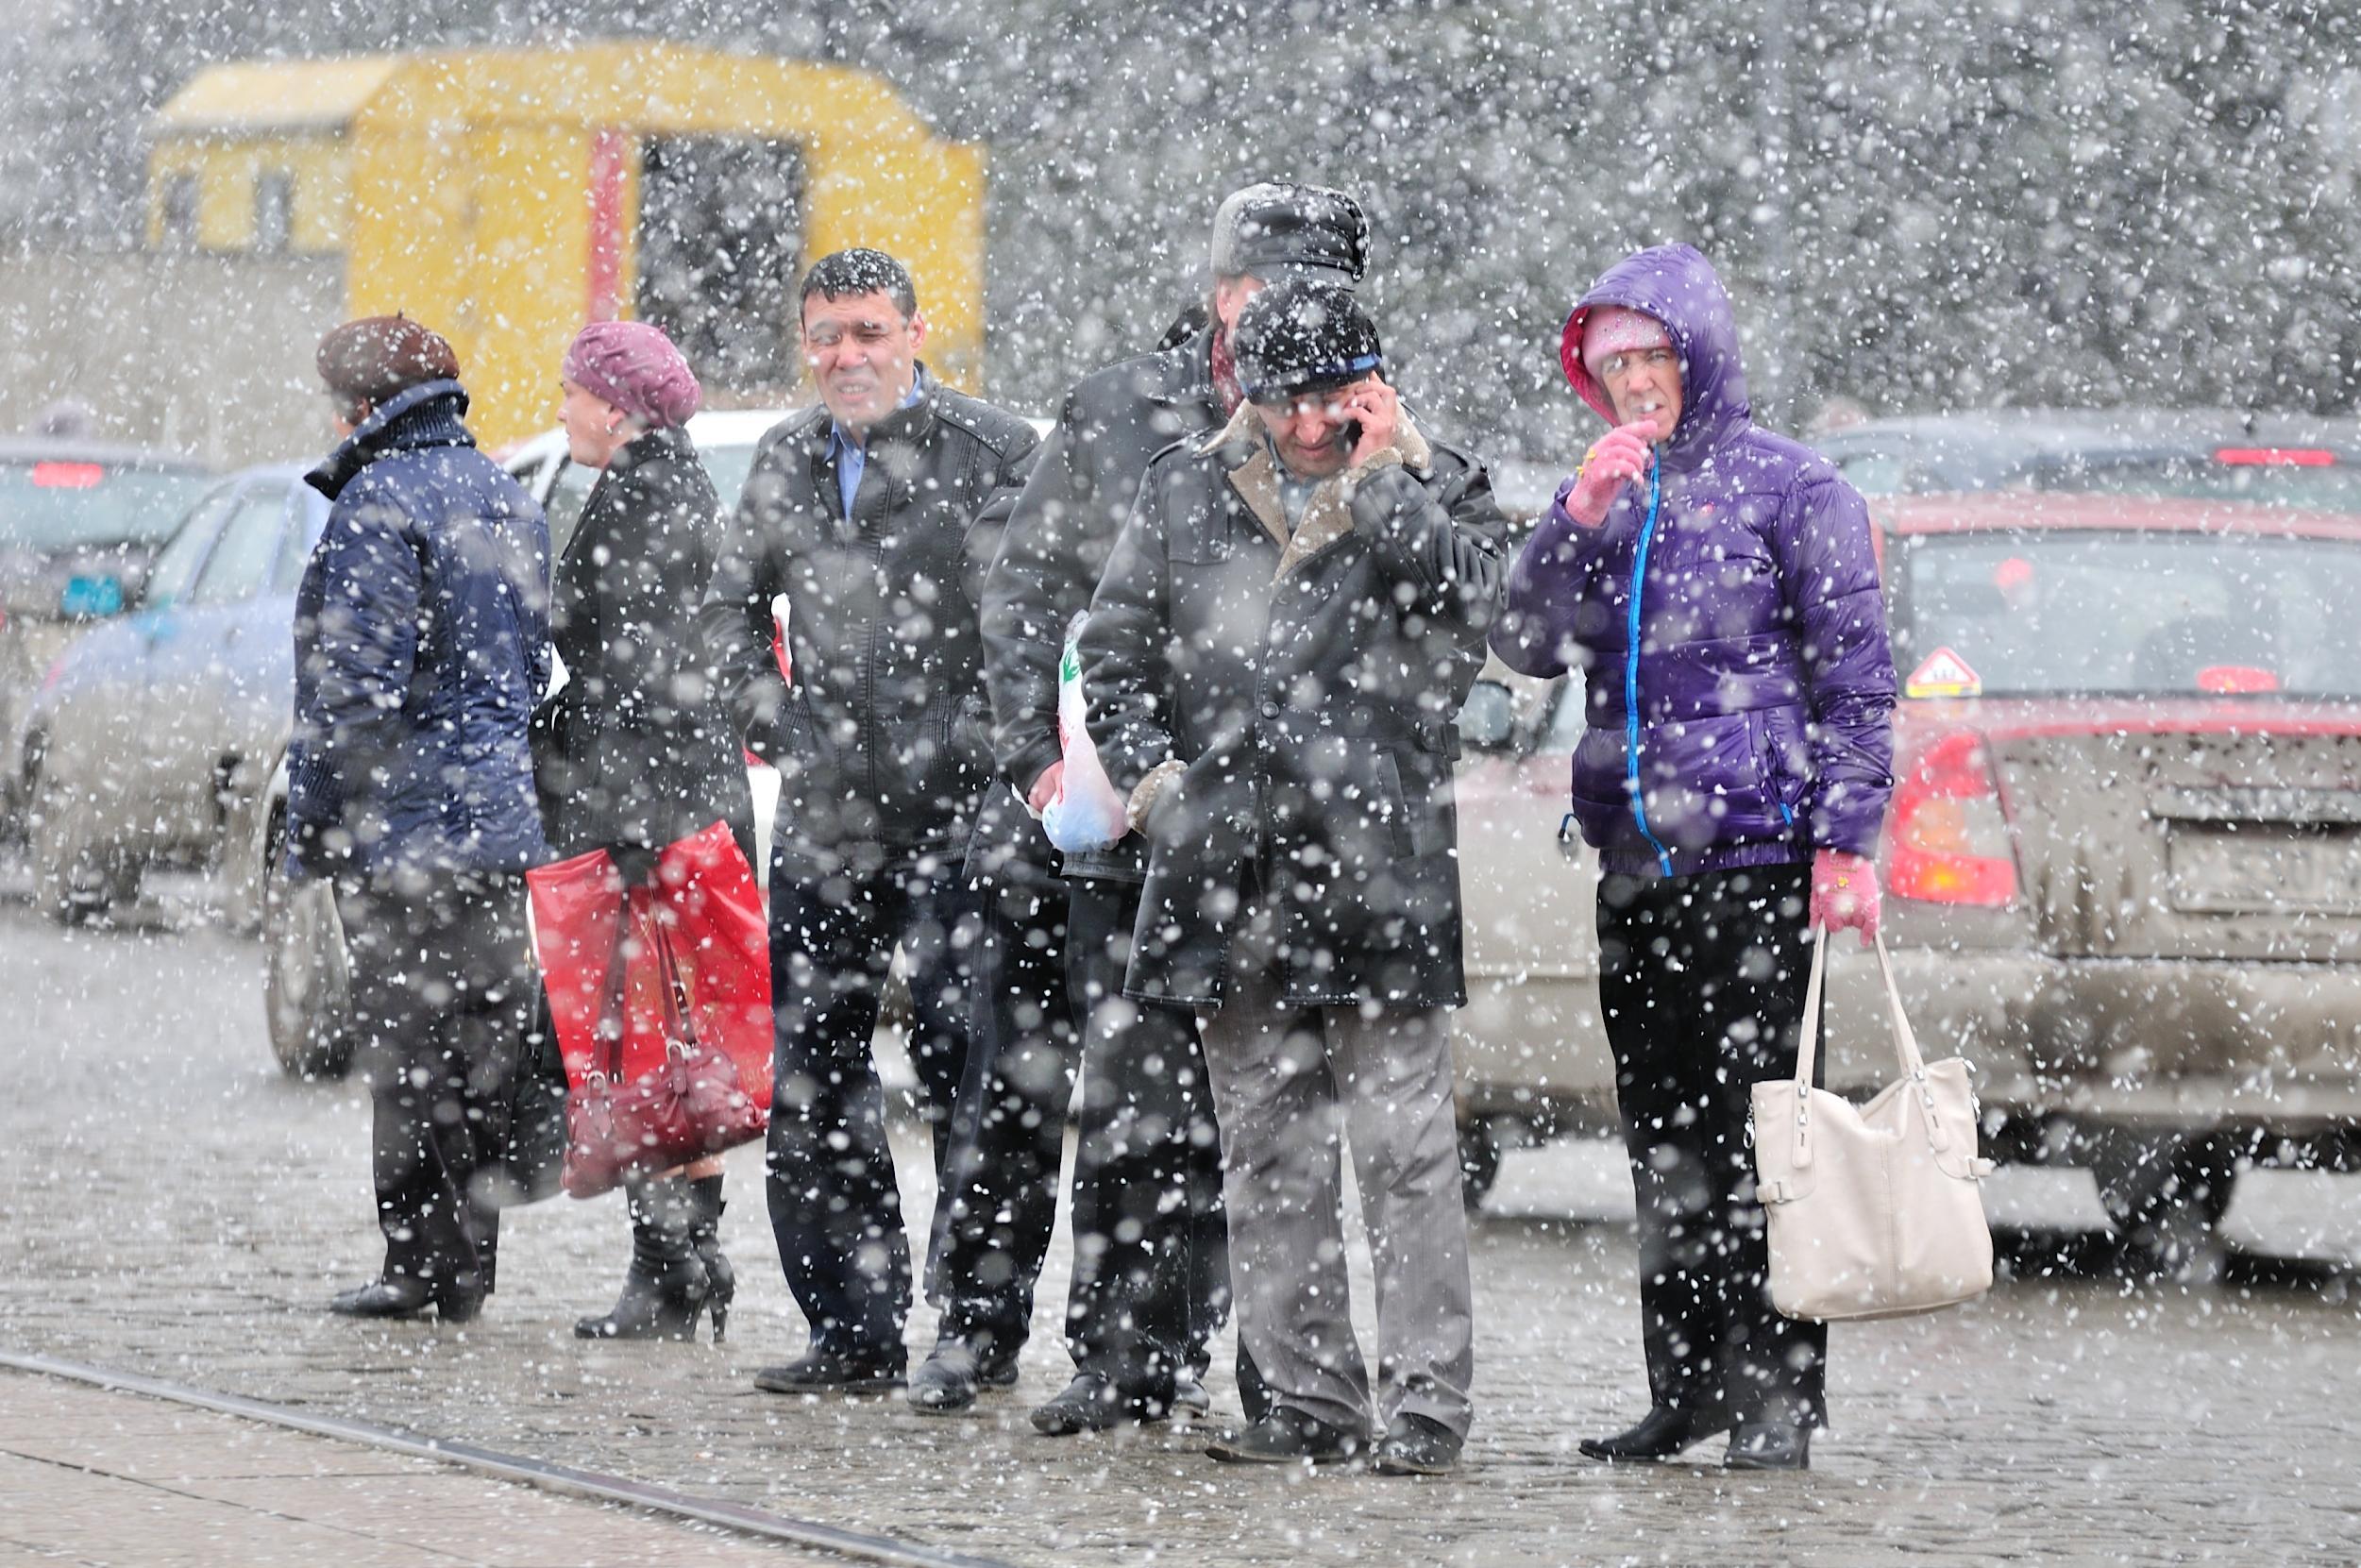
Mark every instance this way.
x=1151 y=1285
x=1274 y=660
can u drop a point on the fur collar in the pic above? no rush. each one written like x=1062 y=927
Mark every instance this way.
x=1329 y=516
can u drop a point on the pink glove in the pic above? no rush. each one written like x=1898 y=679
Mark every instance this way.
x=1845 y=893
x=1620 y=457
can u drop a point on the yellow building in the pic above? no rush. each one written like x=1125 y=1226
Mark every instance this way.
x=504 y=196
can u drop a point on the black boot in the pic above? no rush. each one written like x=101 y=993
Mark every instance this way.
x=1665 y=1431
x=667 y=1287
x=704 y=1233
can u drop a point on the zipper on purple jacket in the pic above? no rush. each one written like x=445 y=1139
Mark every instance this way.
x=1631 y=665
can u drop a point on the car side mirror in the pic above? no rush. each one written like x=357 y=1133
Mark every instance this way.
x=1488 y=719
x=90 y=598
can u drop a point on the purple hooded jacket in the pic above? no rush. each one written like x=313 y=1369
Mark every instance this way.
x=1752 y=721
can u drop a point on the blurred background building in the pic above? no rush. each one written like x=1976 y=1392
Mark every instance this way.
x=1919 y=206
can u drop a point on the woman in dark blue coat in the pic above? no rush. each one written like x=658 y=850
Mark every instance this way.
x=636 y=749
x=421 y=637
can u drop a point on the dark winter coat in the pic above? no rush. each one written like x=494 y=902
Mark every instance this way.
x=882 y=741
x=1742 y=716
x=1305 y=684
x=1057 y=541
x=637 y=747
x=421 y=638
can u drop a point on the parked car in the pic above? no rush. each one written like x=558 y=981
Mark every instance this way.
x=2289 y=460
x=151 y=736
x=303 y=942
x=2122 y=864
x=80 y=523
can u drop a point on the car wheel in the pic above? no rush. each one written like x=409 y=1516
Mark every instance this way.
x=76 y=879
x=2165 y=1194
x=304 y=978
x=1480 y=1143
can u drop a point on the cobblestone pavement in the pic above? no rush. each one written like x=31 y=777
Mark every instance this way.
x=169 y=1204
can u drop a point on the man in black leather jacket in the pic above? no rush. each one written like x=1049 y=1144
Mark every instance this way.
x=1150 y=1278
x=843 y=621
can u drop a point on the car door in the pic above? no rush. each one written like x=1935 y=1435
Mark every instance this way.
x=191 y=668
x=1529 y=1042
x=97 y=748
x=254 y=680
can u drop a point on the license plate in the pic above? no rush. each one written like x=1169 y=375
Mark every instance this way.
x=2266 y=868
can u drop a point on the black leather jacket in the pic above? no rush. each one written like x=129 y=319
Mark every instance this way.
x=1059 y=538
x=881 y=742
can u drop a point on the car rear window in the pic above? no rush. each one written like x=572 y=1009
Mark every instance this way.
x=2143 y=612
x=2272 y=476
x=48 y=505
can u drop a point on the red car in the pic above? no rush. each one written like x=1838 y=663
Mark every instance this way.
x=2122 y=864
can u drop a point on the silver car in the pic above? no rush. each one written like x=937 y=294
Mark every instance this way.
x=2122 y=864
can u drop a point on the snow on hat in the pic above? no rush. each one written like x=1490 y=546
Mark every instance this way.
x=1273 y=229
x=634 y=366
x=1618 y=329
x=370 y=360
x=1299 y=334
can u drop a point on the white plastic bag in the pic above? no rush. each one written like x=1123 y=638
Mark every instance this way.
x=1086 y=812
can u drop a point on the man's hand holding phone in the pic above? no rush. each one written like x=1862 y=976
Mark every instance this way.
x=1376 y=412
x=1620 y=458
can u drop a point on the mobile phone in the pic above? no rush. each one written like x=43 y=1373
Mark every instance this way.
x=1352 y=434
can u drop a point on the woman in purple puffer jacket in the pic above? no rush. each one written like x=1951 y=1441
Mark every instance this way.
x=1718 y=586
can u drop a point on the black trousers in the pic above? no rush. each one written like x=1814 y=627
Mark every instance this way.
x=1008 y=1123
x=442 y=992
x=1151 y=1269
x=1702 y=980
x=835 y=1208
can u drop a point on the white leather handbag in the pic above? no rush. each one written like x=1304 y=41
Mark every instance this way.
x=1875 y=1211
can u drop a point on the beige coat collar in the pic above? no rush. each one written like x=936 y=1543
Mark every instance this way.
x=1329 y=517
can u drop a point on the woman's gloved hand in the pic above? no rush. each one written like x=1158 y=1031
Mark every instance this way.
x=1620 y=458
x=1845 y=893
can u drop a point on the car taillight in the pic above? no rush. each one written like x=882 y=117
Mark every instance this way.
x=1951 y=842
x=2230 y=679
x=2276 y=457
x=68 y=475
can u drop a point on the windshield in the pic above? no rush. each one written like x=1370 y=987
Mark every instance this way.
x=54 y=505
x=2147 y=612
x=2327 y=486
x=729 y=466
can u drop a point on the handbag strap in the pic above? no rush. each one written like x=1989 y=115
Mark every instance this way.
x=1913 y=1065
x=1808 y=1047
x=677 y=987
x=614 y=1016
x=1906 y=1050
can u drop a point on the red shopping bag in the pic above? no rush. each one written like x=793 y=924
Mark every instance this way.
x=659 y=995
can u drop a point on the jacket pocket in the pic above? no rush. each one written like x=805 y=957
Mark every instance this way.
x=1201 y=536
x=1705 y=781
x=1599 y=797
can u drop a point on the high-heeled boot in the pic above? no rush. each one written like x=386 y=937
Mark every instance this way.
x=666 y=1286
x=704 y=1232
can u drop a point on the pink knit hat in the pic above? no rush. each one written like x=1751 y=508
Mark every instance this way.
x=1617 y=330
x=635 y=367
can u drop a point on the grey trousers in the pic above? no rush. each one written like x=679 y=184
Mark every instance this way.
x=1290 y=1085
